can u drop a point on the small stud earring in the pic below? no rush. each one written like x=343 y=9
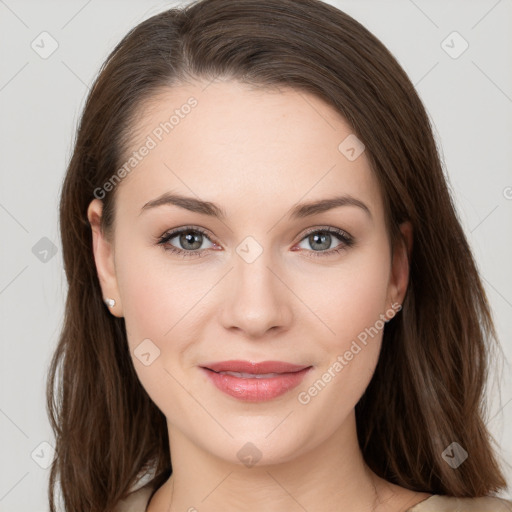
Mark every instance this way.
x=110 y=303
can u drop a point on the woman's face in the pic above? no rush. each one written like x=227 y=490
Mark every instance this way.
x=257 y=276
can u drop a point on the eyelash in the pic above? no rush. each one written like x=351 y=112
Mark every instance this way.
x=342 y=236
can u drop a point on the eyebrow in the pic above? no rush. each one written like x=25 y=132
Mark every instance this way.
x=297 y=212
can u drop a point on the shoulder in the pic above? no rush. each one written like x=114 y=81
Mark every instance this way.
x=438 y=503
x=137 y=501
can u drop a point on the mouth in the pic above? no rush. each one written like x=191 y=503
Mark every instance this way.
x=255 y=382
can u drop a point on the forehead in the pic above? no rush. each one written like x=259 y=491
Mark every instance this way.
x=226 y=141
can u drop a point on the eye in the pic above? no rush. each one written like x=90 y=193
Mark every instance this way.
x=189 y=238
x=321 y=239
x=187 y=242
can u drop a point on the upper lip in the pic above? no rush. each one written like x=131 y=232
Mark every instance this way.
x=255 y=368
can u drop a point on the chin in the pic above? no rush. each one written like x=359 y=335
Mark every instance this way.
x=254 y=447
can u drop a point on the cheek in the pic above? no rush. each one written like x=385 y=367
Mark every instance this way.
x=352 y=299
x=153 y=304
x=158 y=302
x=142 y=305
x=351 y=308
x=152 y=293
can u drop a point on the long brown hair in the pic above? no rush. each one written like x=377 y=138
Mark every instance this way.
x=428 y=387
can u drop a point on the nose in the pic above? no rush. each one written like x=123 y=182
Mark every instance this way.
x=257 y=297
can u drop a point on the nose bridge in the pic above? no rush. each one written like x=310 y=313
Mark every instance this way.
x=256 y=299
x=252 y=270
x=252 y=264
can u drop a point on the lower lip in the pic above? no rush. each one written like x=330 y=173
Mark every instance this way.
x=256 y=390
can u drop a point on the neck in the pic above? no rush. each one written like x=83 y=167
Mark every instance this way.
x=331 y=477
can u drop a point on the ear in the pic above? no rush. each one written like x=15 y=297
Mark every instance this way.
x=104 y=257
x=401 y=254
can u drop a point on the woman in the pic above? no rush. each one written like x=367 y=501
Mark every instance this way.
x=272 y=304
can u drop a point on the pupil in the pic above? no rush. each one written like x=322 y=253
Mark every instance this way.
x=324 y=240
x=191 y=238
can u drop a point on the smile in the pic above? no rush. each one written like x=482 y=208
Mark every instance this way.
x=255 y=382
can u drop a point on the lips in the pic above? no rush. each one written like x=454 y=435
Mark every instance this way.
x=255 y=382
x=254 y=368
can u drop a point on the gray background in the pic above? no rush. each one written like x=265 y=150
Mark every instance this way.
x=469 y=99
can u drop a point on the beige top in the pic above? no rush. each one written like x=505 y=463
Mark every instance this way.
x=138 y=501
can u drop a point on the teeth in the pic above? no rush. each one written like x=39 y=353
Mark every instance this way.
x=251 y=375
